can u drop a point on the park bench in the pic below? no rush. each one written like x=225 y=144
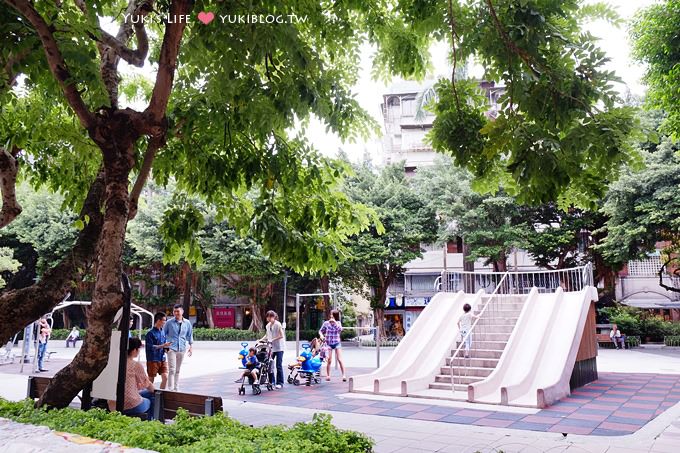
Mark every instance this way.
x=37 y=386
x=603 y=340
x=166 y=404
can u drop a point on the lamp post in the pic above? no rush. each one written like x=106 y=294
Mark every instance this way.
x=285 y=296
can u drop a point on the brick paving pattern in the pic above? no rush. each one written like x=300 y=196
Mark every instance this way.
x=616 y=404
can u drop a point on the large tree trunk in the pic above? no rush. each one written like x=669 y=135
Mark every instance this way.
x=20 y=307
x=108 y=294
x=379 y=298
x=468 y=266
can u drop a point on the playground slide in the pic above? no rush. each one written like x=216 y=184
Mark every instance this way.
x=536 y=365
x=549 y=381
x=420 y=338
x=522 y=340
x=434 y=356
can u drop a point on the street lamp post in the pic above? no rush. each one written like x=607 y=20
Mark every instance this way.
x=285 y=297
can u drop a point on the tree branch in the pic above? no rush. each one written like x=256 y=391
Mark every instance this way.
x=509 y=43
x=167 y=62
x=56 y=62
x=8 y=174
x=155 y=143
x=21 y=307
x=661 y=275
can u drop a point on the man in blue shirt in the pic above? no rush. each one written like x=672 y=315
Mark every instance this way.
x=179 y=334
x=155 y=345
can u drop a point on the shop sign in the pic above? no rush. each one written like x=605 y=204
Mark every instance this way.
x=417 y=301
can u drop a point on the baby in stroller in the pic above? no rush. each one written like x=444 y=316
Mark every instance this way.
x=252 y=372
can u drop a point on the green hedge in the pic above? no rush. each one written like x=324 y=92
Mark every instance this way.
x=636 y=322
x=672 y=340
x=218 y=433
x=204 y=334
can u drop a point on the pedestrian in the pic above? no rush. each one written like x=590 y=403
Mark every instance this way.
x=139 y=391
x=179 y=333
x=465 y=327
x=330 y=331
x=44 y=333
x=276 y=336
x=73 y=336
x=156 y=345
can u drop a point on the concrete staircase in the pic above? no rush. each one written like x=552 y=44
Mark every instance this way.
x=489 y=339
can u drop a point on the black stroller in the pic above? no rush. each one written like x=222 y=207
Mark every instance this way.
x=264 y=357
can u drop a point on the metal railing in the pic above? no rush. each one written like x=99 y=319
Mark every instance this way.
x=545 y=281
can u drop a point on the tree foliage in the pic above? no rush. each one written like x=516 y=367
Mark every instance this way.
x=377 y=256
x=560 y=134
x=656 y=43
x=644 y=209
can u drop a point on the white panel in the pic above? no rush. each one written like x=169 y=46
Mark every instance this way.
x=104 y=386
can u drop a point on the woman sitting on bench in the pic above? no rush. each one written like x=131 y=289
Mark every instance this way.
x=139 y=390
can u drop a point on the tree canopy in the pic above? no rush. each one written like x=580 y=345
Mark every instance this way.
x=656 y=43
x=644 y=210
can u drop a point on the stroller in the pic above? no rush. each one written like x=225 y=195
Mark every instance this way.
x=264 y=357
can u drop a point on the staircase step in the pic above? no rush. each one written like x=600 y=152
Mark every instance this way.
x=444 y=386
x=484 y=335
x=493 y=328
x=498 y=321
x=481 y=352
x=466 y=371
x=441 y=378
x=474 y=361
x=491 y=313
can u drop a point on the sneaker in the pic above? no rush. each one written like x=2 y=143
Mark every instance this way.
x=278 y=386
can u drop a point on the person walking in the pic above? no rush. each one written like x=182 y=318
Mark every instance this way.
x=155 y=345
x=276 y=336
x=330 y=331
x=139 y=391
x=179 y=333
x=44 y=333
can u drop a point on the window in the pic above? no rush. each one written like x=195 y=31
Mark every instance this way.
x=408 y=106
x=422 y=282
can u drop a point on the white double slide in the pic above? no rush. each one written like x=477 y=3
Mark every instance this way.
x=537 y=363
x=421 y=352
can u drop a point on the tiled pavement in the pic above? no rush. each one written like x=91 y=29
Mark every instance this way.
x=616 y=404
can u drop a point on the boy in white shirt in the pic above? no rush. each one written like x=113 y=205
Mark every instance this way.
x=465 y=326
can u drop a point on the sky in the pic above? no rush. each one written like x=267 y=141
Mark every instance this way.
x=614 y=41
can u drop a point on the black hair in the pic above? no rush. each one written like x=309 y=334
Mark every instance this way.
x=253 y=350
x=467 y=308
x=158 y=316
x=335 y=314
x=134 y=343
x=272 y=313
x=176 y=306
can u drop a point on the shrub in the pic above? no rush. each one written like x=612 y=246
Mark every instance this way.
x=636 y=322
x=62 y=334
x=672 y=340
x=218 y=433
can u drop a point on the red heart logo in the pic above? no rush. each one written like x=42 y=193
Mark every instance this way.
x=206 y=18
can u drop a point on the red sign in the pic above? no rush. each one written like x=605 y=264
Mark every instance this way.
x=224 y=317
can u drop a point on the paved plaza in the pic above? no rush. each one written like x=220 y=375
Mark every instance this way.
x=623 y=411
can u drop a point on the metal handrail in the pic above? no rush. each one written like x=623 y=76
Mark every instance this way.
x=472 y=328
x=547 y=280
